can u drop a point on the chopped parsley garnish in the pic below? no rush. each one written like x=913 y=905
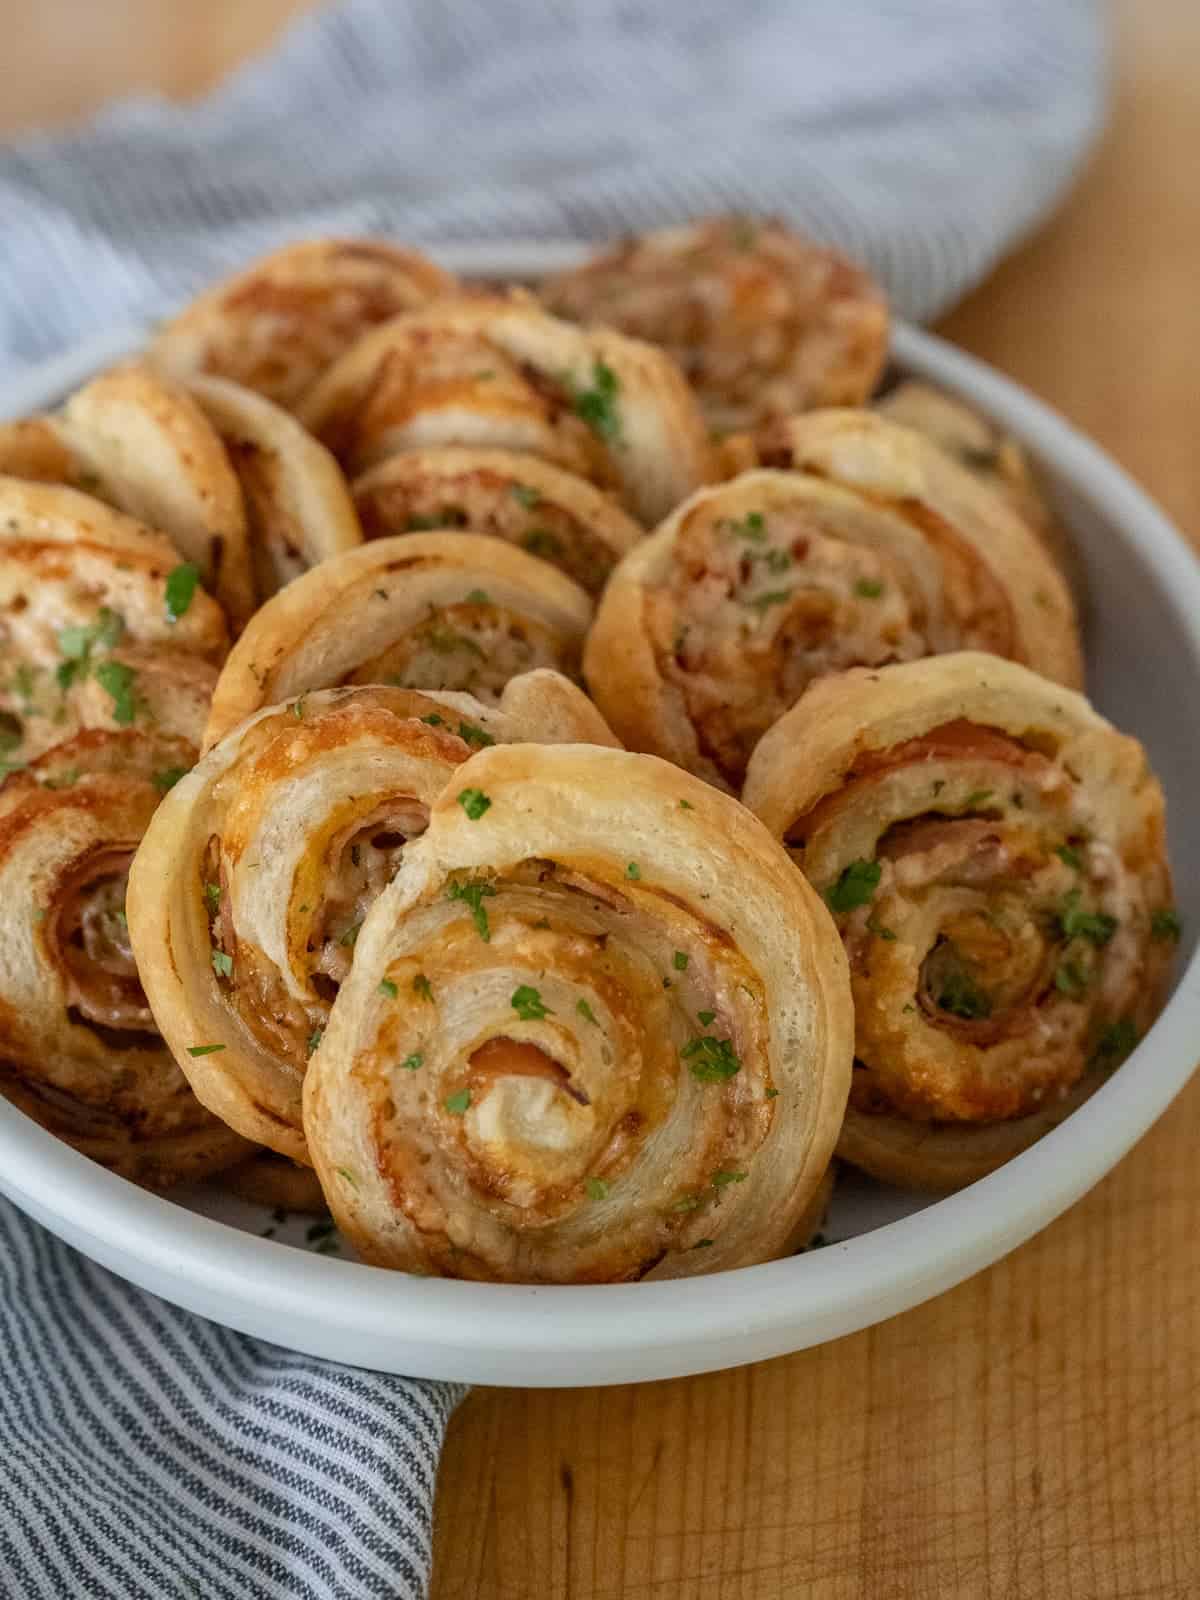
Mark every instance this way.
x=1165 y=924
x=423 y=524
x=204 y=1049
x=314 y=1040
x=586 y=1012
x=540 y=542
x=596 y=1188
x=76 y=642
x=686 y=805
x=879 y=932
x=212 y=895
x=868 y=588
x=456 y=1104
x=169 y=776
x=412 y=1062
x=633 y=871
x=388 y=988
x=961 y=996
x=117 y=681
x=722 y=1180
x=434 y=720
x=475 y=736
x=711 y=1060
x=1114 y=1043
x=524 y=495
x=772 y=1094
x=478 y=597
x=702 y=1244
x=597 y=406
x=473 y=895
x=22 y=683
x=706 y=1017
x=527 y=1003
x=978 y=797
x=181 y=589
x=422 y=987
x=680 y=961
x=1096 y=926
x=349 y=936
x=690 y=1202
x=297 y=709
x=1071 y=979
x=222 y=963
x=753 y=527
x=64 y=780
x=474 y=802
x=856 y=886
x=777 y=561
x=344 y=1172
x=773 y=597
x=1070 y=857
x=444 y=641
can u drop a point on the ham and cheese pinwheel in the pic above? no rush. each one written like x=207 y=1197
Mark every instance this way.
x=762 y=321
x=994 y=853
x=597 y=1029
x=79 y=1051
x=555 y=515
x=498 y=371
x=276 y=325
x=421 y=611
x=874 y=548
x=250 y=888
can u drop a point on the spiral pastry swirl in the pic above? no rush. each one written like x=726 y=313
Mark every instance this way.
x=711 y=628
x=280 y=322
x=598 y=1029
x=497 y=371
x=101 y=624
x=454 y=611
x=79 y=1051
x=556 y=516
x=253 y=880
x=762 y=321
x=994 y=853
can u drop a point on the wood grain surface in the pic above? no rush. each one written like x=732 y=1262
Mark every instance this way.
x=1034 y=1435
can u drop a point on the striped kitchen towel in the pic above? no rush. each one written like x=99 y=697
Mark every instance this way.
x=147 y=1453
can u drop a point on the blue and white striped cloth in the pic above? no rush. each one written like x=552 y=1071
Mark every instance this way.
x=147 y=1453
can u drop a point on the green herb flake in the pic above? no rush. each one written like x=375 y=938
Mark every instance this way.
x=879 y=931
x=680 y=961
x=456 y=1104
x=703 y=1244
x=778 y=561
x=475 y=736
x=722 y=1180
x=1071 y=979
x=117 y=681
x=388 y=988
x=596 y=1188
x=63 y=780
x=166 y=780
x=1114 y=1043
x=855 y=887
x=474 y=802
x=204 y=1049
x=344 y=1172
x=413 y=1062
x=597 y=405
x=297 y=709
x=478 y=597
x=434 y=720
x=422 y=988
x=686 y=805
x=540 y=542
x=527 y=1003
x=962 y=997
x=752 y=527
x=222 y=963
x=690 y=1202
x=586 y=1012
x=349 y=936
x=632 y=870
x=773 y=597
x=772 y=1094
x=705 y=1017
x=473 y=895
x=181 y=589
x=524 y=495
x=1070 y=857
x=1165 y=924
x=711 y=1060
x=212 y=896
x=1096 y=926
x=868 y=588
x=978 y=797
x=314 y=1040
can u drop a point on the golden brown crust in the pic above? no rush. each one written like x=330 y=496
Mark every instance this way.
x=497 y=371
x=267 y=1179
x=78 y=1048
x=762 y=320
x=554 y=514
x=995 y=853
x=276 y=325
x=596 y=1030
x=429 y=610
x=248 y=892
x=298 y=506
x=87 y=638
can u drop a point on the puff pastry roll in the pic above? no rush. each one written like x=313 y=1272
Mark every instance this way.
x=994 y=853
x=267 y=1179
x=762 y=320
x=78 y=1047
x=497 y=370
x=101 y=624
x=422 y=611
x=276 y=325
x=253 y=880
x=597 y=1029
x=552 y=513
x=984 y=448
x=140 y=443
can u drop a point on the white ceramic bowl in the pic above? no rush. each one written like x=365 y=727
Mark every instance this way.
x=892 y=1250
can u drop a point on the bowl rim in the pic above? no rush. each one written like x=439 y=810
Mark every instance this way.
x=596 y=1333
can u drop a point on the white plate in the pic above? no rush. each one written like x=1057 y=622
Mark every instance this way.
x=892 y=1250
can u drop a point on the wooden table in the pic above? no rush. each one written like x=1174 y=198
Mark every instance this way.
x=1035 y=1433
